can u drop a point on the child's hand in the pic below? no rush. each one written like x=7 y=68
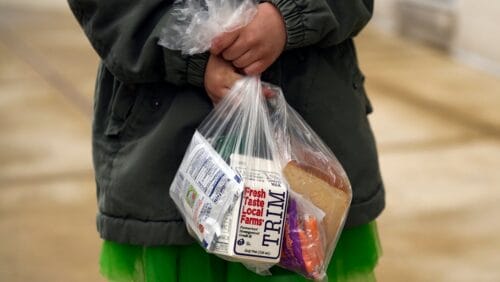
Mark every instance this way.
x=220 y=76
x=256 y=46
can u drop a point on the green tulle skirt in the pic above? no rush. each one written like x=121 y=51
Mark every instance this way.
x=355 y=258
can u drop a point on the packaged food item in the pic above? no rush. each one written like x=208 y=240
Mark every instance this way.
x=256 y=224
x=204 y=189
x=305 y=242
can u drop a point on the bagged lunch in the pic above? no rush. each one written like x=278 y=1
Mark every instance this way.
x=256 y=184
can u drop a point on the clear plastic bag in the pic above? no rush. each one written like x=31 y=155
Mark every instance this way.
x=229 y=187
x=312 y=171
x=232 y=185
x=193 y=24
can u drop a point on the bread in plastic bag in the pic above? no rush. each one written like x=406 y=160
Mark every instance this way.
x=312 y=171
x=229 y=187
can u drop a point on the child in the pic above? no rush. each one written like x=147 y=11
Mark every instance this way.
x=149 y=100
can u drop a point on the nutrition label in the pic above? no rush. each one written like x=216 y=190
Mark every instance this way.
x=205 y=188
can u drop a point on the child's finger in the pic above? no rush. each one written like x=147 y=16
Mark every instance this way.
x=246 y=59
x=255 y=68
x=235 y=50
x=223 y=41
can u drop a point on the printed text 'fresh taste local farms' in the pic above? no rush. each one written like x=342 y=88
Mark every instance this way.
x=253 y=206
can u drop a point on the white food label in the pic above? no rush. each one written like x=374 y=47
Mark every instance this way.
x=258 y=222
x=205 y=188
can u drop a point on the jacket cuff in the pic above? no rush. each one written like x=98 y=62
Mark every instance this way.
x=292 y=15
x=181 y=70
x=195 y=73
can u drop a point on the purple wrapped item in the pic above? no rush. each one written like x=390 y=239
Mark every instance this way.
x=303 y=248
x=291 y=257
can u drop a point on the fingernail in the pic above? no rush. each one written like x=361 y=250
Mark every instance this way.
x=268 y=93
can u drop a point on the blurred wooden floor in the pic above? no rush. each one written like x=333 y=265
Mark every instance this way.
x=436 y=121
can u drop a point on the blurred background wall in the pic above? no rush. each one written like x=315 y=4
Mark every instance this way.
x=469 y=30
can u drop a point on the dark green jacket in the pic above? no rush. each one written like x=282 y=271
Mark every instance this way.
x=149 y=101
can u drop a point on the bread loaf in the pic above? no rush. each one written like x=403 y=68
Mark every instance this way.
x=327 y=192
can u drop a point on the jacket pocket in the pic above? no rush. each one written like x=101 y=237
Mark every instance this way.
x=123 y=108
x=358 y=84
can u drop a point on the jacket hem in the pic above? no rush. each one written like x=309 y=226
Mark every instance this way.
x=367 y=211
x=144 y=233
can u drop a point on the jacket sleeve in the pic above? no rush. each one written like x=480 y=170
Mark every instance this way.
x=125 y=33
x=322 y=22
